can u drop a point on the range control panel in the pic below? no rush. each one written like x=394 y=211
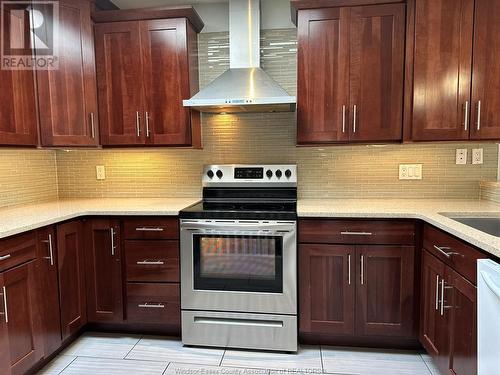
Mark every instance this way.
x=250 y=175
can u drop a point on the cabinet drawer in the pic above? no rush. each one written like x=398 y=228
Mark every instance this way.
x=17 y=250
x=457 y=254
x=152 y=261
x=151 y=229
x=154 y=303
x=356 y=231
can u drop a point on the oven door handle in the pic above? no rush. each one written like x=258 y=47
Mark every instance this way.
x=239 y=232
x=231 y=226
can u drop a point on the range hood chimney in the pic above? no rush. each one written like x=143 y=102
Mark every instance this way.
x=245 y=87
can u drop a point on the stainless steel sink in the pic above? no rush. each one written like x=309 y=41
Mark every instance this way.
x=490 y=225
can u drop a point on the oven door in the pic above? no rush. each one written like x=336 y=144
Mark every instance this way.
x=239 y=266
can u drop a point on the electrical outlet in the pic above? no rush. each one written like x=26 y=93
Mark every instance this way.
x=410 y=171
x=477 y=156
x=100 y=172
x=461 y=156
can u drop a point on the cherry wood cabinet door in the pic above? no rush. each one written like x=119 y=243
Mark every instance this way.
x=323 y=76
x=18 y=120
x=47 y=289
x=377 y=39
x=326 y=289
x=486 y=71
x=67 y=95
x=22 y=319
x=120 y=83
x=71 y=267
x=166 y=81
x=384 y=290
x=103 y=271
x=442 y=69
x=463 y=326
x=434 y=334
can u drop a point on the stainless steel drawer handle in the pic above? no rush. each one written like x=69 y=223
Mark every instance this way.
x=349 y=233
x=239 y=322
x=5 y=257
x=5 y=311
x=442 y=250
x=149 y=305
x=149 y=229
x=150 y=263
x=51 y=250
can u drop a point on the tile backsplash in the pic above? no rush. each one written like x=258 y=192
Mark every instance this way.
x=27 y=176
x=336 y=171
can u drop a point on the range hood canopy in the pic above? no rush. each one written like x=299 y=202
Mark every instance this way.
x=245 y=87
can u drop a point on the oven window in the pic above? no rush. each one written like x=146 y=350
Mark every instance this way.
x=238 y=263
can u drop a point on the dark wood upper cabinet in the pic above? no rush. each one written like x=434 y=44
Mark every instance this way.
x=120 y=84
x=21 y=318
x=442 y=57
x=18 y=119
x=323 y=76
x=485 y=121
x=377 y=36
x=71 y=266
x=351 y=74
x=145 y=68
x=47 y=289
x=103 y=270
x=67 y=95
x=326 y=289
x=385 y=288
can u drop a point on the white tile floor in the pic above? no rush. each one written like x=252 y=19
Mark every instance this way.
x=109 y=354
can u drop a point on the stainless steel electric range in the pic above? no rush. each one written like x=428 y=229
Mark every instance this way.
x=239 y=259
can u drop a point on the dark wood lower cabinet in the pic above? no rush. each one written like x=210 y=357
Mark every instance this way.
x=71 y=267
x=47 y=289
x=103 y=271
x=326 y=289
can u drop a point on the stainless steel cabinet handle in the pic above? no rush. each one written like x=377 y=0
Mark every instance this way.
x=148 y=305
x=92 y=125
x=479 y=115
x=112 y=233
x=437 y=292
x=349 y=268
x=146 y=119
x=349 y=233
x=362 y=270
x=466 y=120
x=5 y=311
x=138 y=123
x=150 y=263
x=51 y=250
x=5 y=257
x=442 y=250
x=149 y=229
x=343 y=118
x=354 y=118
x=442 y=297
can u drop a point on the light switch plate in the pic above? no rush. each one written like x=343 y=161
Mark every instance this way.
x=461 y=156
x=410 y=171
x=100 y=172
x=477 y=156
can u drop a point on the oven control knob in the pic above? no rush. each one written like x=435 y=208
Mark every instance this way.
x=288 y=173
x=210 y=174
x=269 y=173
x=279 y=173
x=219 y=174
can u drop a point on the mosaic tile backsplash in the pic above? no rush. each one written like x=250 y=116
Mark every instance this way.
x=336 y=172
x=28 y=176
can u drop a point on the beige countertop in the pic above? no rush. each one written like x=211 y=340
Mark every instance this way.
x=432 y=211
x=18 y=219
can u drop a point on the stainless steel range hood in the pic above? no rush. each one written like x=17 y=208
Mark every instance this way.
x=245 y=87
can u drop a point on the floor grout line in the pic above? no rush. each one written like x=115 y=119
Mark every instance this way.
x=130 y=351
x=222 y=357
x=65 y=367
x=321 y=358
